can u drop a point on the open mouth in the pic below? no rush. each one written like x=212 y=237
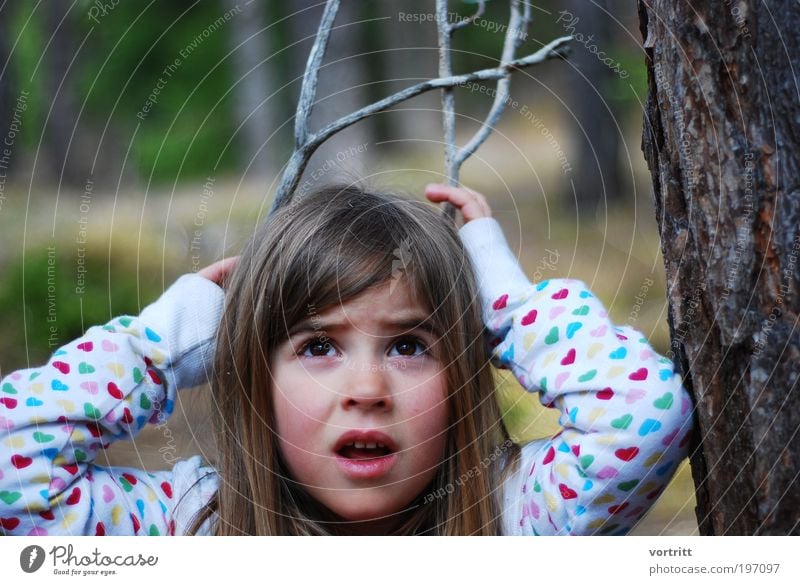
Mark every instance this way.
x=364 y=450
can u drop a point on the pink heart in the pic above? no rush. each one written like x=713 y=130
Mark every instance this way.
x=16 y=376
x=646 y=354
x=556 y=311
x=110 y=417
x=57 y=484
x=634 y=394
x=109 y=345
x=37 y=532
x=607 y=472
x=90 y=387
x=108 y=494
x=603 y=314
x=5 y=423
x=669 y=438
x=560 y=379
x=685 y=405
x=599 y=332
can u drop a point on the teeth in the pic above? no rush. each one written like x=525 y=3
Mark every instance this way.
x=359 y=445
x=365 y=445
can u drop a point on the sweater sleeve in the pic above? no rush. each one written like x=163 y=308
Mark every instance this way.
x=625 y=416
x=103 y=387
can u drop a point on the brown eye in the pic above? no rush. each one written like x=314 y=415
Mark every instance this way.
x=407 y=346
x=318 y=347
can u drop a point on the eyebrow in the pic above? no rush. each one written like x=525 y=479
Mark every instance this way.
x=406 y=323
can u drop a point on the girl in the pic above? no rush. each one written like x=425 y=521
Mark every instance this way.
x=349 y=364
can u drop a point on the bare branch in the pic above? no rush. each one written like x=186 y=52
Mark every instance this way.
x=517 y=27
x=308 y=91
x=467 y=21
x=299 y=160
x=448 y=100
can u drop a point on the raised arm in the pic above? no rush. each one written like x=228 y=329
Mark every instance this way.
x=626 y=417
x=104 y=387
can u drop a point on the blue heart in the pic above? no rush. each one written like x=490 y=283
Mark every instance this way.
x=542 y=285
x=151 y=335
x=50 y=453
x=573 y=415
x=585 y=294
x=33 y=402
x=572 y=328
x=169 y=406
x=587 y=485
x=140 y=507
x=618 y=353
x=141 y=421
x=665 y=374
x=508 y=355
x=649 y=426
x=664 y=468
x=563 y=447
x=59 y=386
x=60 y=352
x=579 y=510
x=45 y=494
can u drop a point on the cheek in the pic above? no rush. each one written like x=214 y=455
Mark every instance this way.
x=428 y=411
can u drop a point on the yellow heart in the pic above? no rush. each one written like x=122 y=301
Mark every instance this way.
x=77 y=436
x=67 y=405
x=563 y=470
x=548 y=359
x=157 y=357
x=606 y=440
x=69 y=518
x=36 y=387
x=604 y=499
x=117 y=369
x=615 y=371
x=596 y=523
x=648 y=487
x=528 y=340
x=594 y=348
x=41 y=479
x=653 y=459
x=151 y=495
x=60 y=460
x=550 y=500
x=116 y=512
x=14 y=442
x=596 y=413
x=35 y=507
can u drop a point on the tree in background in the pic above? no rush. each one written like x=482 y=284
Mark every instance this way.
x=721 y=138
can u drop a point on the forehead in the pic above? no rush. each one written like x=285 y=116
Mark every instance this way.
x=391 y=305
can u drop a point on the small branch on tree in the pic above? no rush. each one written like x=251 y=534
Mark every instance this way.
x=306 y=142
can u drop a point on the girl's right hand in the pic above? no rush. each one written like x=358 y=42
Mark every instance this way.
x=218 y=272
x=472 y=204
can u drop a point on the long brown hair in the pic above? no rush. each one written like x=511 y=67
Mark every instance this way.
x=323 y=249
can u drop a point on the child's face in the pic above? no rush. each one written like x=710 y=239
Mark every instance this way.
x=353 y=369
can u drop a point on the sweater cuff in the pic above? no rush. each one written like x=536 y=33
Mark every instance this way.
x=187 y=316
x=496 y=267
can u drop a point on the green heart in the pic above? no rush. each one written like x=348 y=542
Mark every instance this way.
x=665 y=402
x=627 y=486
x=586 y=460
x=9 y=389
x=622 y=422
x=154 y=530
x=552 y=337
x=42 y=437
x=91 y=412
x=34 y=375
x=145 y=402
x=10 y=497
x=125 y=484
x=536 y=486
x=588 y=376
x=125 y=321
x=543 y=385
x=80 y=455
x=582 y=310
x=85 y=368
x=137 y=375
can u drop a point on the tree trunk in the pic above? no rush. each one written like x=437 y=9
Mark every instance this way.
x=723 y=144
x=255 y=80
x=597 y=126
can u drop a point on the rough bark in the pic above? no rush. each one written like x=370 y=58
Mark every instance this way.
x=722 y=141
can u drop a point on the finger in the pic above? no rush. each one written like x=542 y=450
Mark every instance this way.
x=457 y=196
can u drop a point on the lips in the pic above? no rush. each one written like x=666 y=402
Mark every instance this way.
x=364 y=444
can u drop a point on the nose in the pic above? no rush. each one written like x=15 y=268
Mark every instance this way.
x=368 y=388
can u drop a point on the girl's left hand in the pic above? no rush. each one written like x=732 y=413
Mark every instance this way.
x=219 y=271
x=472 y=204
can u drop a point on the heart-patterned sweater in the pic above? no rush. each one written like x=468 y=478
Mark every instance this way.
x=626 y=418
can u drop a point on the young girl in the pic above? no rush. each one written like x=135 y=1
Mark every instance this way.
x=349 y=364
